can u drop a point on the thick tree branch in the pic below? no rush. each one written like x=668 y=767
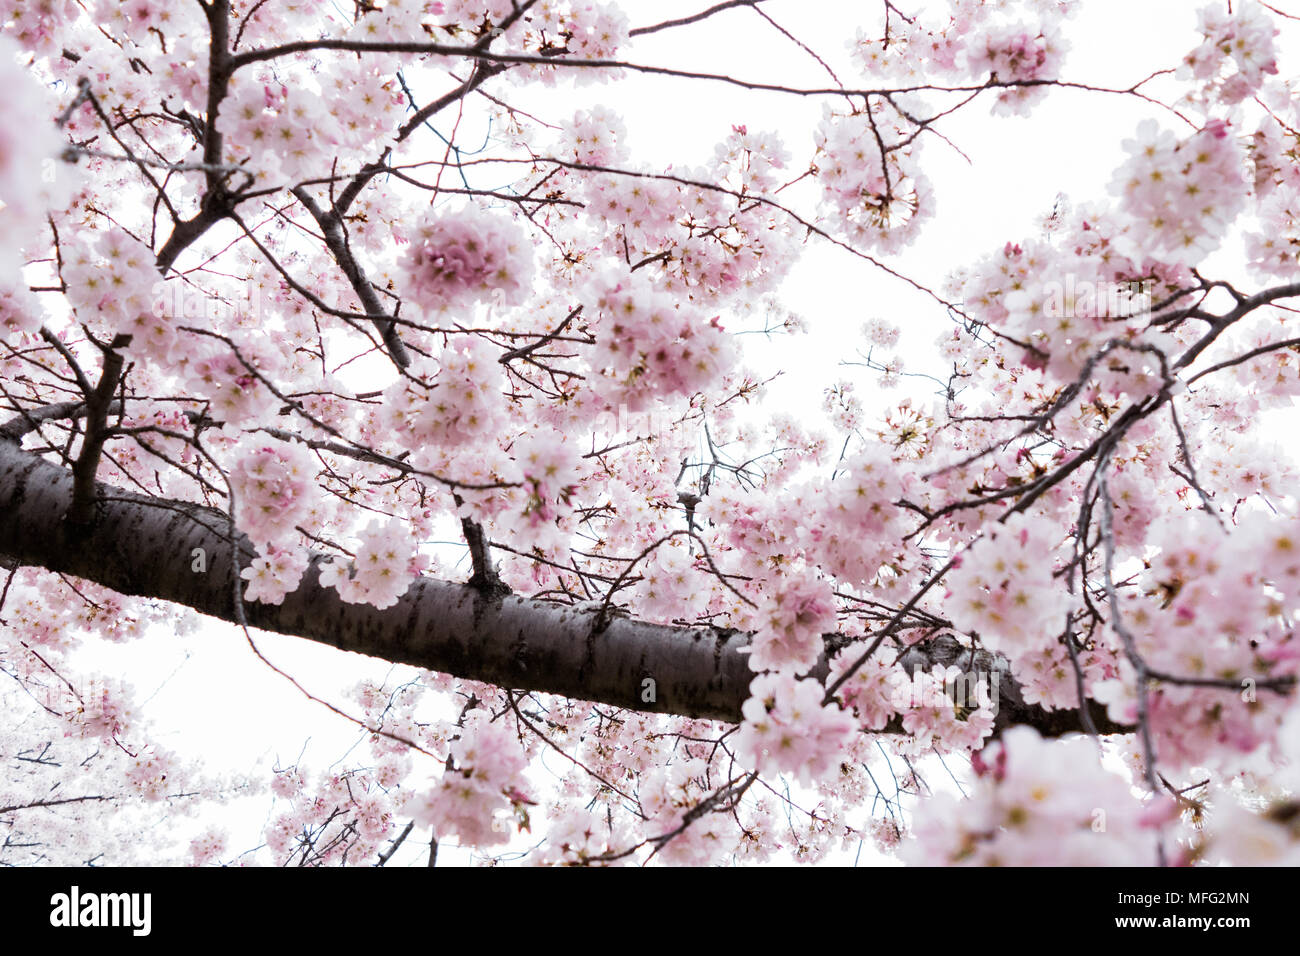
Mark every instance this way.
x=29 y=420
x=145 y=546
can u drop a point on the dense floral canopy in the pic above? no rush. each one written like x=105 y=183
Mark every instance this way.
x=294 y=292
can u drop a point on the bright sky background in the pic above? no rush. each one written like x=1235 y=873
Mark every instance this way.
x=1017 y=167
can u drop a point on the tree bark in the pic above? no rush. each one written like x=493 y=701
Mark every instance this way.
x=139 y=545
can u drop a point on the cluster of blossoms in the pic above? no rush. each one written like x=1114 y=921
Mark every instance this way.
x=673 y=585
x=386 y=560
x=208 y=847
x=787 y=729
x=586 y=29
x=733 y=248
x=1272 y=248
x=595 y=31
x=905 y=428
x=20 y=310
x=157 y=335
x=979 y=41
x=1212 y=606
x=645 y=209
x=102 y=51
x=1273 y=156
x=231 y=382
x=471 y=13
x=463 y=405
x=898 y=57
x=283 y=134
x=396 y=20
x=391 y=715
x=484 y=779
x=651 y=345
x=871 y=691
x=722 y=244
x=847 y=527
x=1003 y=587
x=38 y=625
x=1268 y=834
x=148 y=773
x=1236 y=54
x=880 y=197
x=843 y=406
x=1247 y=467
x=274 y=484
x=274 y=573
x=1017 y=53
x=751 y=161
x=111 y=278
x=885 y=833
x=550 y=469
x=1047 y=676
x=467 y=255
x=790 y=624
x=1273 y=252
x=594 y=137
x=667 y=795
x=758 y=525
x=1067 y=300
x=137 y=18
x=574 y=838
x=881 y=333
x=1178 y=197
x=1273 y=375
x=1037 y=803
x=942 y=710
x=103 y=713
x=288 y=19
x=287 y=783
x=855 y=519
x=38 y=25
x=348 y=813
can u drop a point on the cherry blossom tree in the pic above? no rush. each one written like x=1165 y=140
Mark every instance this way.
x=291 y=293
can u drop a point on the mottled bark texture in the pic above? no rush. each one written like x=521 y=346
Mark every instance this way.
x=145 y=546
